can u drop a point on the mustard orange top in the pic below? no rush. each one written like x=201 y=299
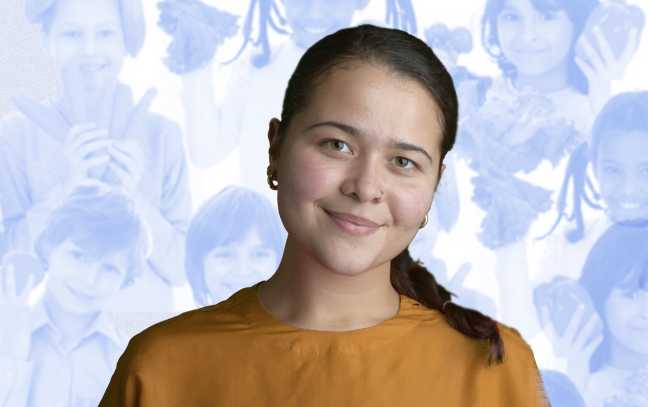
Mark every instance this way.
x=235 y=353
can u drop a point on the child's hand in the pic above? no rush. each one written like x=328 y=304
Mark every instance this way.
x=604 y=67
x=15 y=320
x=572 y=345
x=85 y=149
x=127 y=164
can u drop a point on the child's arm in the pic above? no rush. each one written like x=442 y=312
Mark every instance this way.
x=15 y=380
x=214 y=129
x=170 y=221
x=15 y=339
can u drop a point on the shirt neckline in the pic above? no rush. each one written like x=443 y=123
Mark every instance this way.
x=247 y=303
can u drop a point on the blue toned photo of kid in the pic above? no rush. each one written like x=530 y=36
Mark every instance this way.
x=617 y=156
x=94 y=129
x=62 y=351
x=230 y=106
x=235 y=240
x=534 y=115
x=609 y=368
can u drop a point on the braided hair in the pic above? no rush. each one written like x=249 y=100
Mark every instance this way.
x=624 y=112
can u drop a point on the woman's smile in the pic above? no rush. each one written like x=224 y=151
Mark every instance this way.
x=353 y=226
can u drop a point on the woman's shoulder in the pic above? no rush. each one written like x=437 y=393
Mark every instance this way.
x=516 y=348
x=184 y=325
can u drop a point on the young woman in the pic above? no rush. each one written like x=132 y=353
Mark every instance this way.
x=234 y=240
x=348 y=318
x=104 y=136
x=618 y=158
x=615 y=276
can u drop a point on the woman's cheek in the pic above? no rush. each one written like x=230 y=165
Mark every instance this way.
x=310 y=178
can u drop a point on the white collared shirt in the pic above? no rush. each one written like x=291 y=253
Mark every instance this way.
x=54 y=377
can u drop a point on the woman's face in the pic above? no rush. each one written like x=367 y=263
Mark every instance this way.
x=622 y=172
x=365 y=133
x=240 y=265
x=86 y=42
x=626 y=313
x=536 y=43
x=312 y=20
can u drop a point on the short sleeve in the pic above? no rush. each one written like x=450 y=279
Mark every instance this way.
x=519 y=382
x=126 y=384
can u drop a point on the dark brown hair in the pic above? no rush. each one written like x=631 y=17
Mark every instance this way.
x=409 y=58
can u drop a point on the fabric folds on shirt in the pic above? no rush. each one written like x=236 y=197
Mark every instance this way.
x=236 y=353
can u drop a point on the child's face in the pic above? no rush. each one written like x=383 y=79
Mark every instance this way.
x=534 y=42
x=82 y=284
x=86 y=42
x=622 y=172
x=312 y=20
x=626 y=313
x=230 y=268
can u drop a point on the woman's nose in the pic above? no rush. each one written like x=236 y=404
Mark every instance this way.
x=529 y=33
x=364 y=181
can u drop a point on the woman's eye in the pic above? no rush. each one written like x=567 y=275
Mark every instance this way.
x=335 y=144
x=610 y=170
x=338 y=143
x=631 y=294
x=408 y=162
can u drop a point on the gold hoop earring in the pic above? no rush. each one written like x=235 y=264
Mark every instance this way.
x=424 y=222
x=270 y=183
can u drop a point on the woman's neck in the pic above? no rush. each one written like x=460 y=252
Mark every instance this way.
x=306 y=295
x=553 y=80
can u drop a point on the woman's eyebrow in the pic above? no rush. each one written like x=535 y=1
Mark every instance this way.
x=393 y=143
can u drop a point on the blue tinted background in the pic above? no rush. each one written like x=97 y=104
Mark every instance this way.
x=200 y=155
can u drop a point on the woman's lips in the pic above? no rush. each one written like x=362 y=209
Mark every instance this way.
x=352 y=228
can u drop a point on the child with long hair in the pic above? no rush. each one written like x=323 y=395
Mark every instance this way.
x=607 y=367
x=534 y=115
x=94 y=129
x=221 y=108
x=617 y=157
x=234 y=240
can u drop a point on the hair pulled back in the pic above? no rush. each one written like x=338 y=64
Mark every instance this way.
x=409 y=58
